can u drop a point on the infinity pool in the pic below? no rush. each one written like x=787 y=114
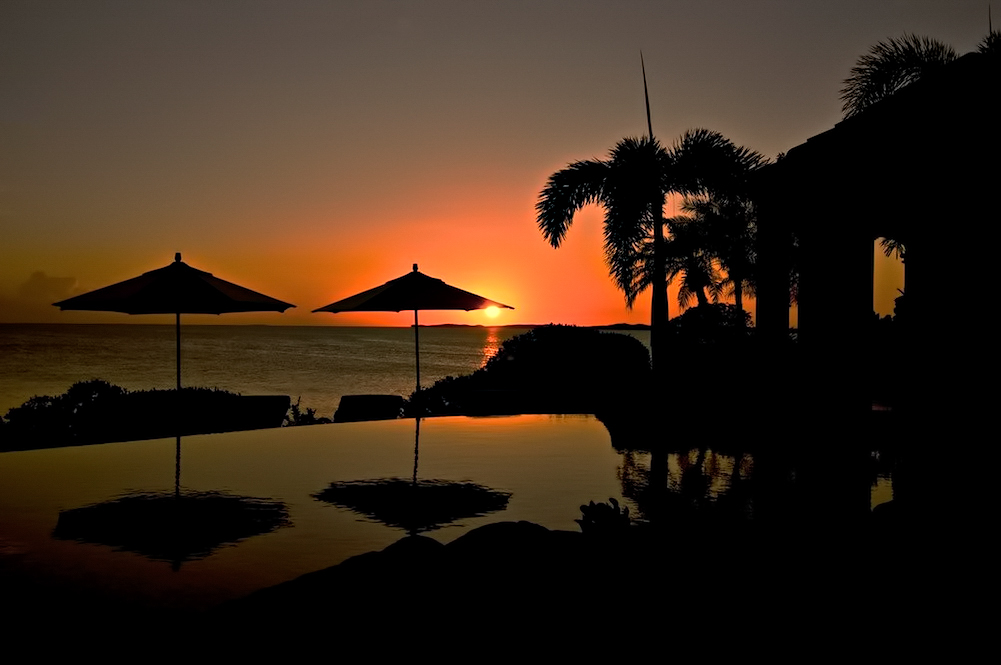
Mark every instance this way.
x=542 y=468
x=548 y=465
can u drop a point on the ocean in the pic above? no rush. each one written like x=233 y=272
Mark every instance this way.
x=314 y=364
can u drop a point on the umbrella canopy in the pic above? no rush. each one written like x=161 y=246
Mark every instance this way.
x=175 y=289
x=413 y=291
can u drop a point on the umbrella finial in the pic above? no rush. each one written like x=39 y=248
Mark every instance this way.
x=177 y=257
x=415 y=267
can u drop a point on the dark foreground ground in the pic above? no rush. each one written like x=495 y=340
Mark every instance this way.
x=885 y=589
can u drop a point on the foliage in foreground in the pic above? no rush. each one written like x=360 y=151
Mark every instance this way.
x=604 y=519
x=297 y=416
x=96 y=411
x=711 y=324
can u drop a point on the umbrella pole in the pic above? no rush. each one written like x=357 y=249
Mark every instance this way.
x=417 y=351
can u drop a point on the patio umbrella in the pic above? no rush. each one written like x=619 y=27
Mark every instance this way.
x=175 y=289
x=415 y=291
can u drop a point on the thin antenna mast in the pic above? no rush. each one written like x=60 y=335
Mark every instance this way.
x=646 y=96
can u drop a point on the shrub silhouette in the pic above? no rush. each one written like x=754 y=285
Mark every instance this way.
x=96 y=411
x=550 y=369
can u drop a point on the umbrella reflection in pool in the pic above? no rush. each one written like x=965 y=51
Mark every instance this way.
x=171 y=526
x=411 y=505
x=415 y=506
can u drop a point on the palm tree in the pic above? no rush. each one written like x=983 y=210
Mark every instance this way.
x=731 y=229
x=891 y=65
x=719 y=202
x=688 y=257
x=631 y=186
x=991 y=44
x=712 y=247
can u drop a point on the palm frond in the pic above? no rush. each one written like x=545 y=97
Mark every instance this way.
x=705 y=161
x=685 y=296
x=566 y=192
x=628 y=221
x=630 y=197
x=893 y=248
x=889 y=66
x=716 y=285
x=991 y=44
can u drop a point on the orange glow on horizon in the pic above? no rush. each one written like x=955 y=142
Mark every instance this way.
x=324 y=260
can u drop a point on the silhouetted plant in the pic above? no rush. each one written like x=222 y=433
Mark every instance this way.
x=297 y=417
x=889 y=66
x=991 y=44
x=76 y=410
x=603 y=519
x=713 y=323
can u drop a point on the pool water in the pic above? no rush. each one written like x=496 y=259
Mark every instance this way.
x=545 y=466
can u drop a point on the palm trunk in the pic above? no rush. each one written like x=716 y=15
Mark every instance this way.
x=738 y=296
x=700 y=296
x=658 y=303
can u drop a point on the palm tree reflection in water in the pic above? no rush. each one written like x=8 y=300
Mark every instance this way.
x=697 y=483
x=703 y=488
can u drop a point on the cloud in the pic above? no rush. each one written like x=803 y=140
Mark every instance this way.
x=31 y=301
x=40 y=288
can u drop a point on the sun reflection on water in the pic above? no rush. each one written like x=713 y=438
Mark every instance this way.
x=490 y=345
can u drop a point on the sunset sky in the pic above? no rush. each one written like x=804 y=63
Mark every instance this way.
x=310 y=150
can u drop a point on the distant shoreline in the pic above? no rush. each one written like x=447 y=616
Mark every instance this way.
x=613 y=326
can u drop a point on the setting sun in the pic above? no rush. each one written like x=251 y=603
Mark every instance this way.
x=492 y=312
